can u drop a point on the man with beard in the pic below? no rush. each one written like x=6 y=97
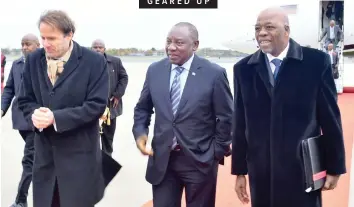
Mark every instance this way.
x=118 y=81
x=64 y=93
x=193 y=105
x=283 y=94
x=29 y=44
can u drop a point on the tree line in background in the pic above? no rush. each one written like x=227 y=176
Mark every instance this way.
x=206 y=52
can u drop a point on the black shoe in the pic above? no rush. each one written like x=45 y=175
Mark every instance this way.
x=19 y=205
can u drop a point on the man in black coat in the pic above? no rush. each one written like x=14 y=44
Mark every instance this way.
x=283 y=94
x=29 y=44
x=64 y=92
x=118 y=81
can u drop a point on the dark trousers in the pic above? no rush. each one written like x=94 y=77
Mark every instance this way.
x=56 y=198
x=335 y=71
x=27 y=165
x=107 y=136
x=200 y=189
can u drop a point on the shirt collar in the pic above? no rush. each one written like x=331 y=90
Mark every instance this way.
x=186 y=65
x=22 y=60
x=281 y=56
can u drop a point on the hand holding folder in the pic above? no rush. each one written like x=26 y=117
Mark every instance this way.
x=313 y=161
x=331 y=182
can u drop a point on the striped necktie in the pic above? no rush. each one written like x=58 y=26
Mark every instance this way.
x=176 y=90
x=176 y=96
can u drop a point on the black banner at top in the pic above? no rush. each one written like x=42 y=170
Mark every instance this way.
x=178 y=4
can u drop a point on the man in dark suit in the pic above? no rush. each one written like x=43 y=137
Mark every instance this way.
x=193 y=106
x=64 y=92
x=334 y=34
x=118 y=81
x=29 y=44
x=334 y=60
x=283 y=94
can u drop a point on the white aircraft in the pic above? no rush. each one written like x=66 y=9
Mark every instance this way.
x=308 y=18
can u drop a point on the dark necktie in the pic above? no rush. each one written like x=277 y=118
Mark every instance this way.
x=277 y=63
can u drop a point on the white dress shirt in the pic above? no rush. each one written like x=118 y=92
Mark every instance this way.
x=184 y=75
x=331 y=55
x=331 y=33
x=281 y=56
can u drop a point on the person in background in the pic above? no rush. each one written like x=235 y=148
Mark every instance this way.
x=334 y=34
x=334 y=60
x=283 y=94
x=29 y=44
x=3 y=64
x=118 y=81
x=64 y=92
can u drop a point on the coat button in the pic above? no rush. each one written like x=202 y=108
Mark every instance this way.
x=173 y=124
x=51 y=93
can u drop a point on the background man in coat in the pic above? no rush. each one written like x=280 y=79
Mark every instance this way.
x=283 y=93
x=3 y=64
x=193 y=106
x=29 y=44
x=118 y=81
x=64 y=93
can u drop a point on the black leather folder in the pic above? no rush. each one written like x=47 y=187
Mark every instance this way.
x=110 y=168
x=313 y=161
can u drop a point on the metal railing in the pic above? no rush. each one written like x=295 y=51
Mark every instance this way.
x=339 y=81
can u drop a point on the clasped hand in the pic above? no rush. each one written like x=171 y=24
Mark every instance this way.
x=42 y=118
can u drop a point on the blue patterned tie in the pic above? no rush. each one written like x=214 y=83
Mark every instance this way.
x=176 y=95
x=277 y=63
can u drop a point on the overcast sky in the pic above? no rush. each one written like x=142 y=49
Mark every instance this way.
x=120 y=23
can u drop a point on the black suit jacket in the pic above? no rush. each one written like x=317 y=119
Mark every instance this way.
x=11 y=92
x=118 y=81
x=202 y=124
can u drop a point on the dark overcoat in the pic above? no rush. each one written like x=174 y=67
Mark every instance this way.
x=71 y=153
x=118 y=81
x=11 y=92
x=271 y=119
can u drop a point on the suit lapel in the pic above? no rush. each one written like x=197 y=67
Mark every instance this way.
x=190 y=84
x=259 y=62
x=70 y=66
x=165 y=85
x=44 y=68
x=270 y=73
